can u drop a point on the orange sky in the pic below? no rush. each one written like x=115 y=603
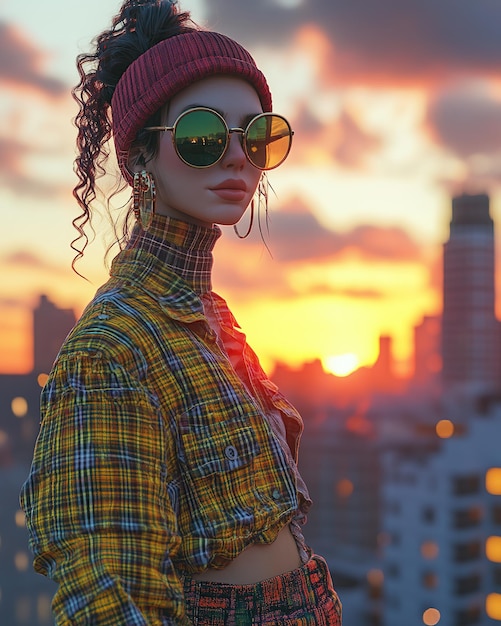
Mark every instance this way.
x=387 y=129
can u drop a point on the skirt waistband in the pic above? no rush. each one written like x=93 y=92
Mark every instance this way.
x=306 y=589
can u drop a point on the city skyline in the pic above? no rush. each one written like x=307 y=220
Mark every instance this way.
x=394 y=110
x=375 y=455
x=470 y=341
x=468 y=291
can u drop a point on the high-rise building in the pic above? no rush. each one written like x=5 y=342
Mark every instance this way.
x=442 y=519
x=427 y=352
x=469 y=325
x=50 y=327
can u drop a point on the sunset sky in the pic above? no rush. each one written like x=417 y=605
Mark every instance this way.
x=396 y=107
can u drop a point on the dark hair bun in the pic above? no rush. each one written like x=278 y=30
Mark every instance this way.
x=138 y=26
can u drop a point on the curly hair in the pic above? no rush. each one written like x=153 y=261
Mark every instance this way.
x=139 y=25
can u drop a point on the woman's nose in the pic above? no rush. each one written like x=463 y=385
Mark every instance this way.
x=235 y=155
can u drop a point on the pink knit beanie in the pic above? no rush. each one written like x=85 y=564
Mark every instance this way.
x=167 y=68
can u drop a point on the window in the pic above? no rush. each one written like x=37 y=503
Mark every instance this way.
x=469 y=616
x=429 y=514
x=468 y=518
x=393 y=507
x=430 y=580
x=496 y=514
x=496 y=577
x=467 y=584
x=393 y=570
x=44 y=611
x=467 y=551
x=429 y=550
x=466 y=485
x=394 y=601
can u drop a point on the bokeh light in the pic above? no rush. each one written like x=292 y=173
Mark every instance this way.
x=19 y=407
x=431 y=617
x=493 y=481
x=445 y=429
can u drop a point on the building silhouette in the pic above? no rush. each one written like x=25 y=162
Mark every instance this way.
x=428 y=352
x=427 y=549
x=25 y=597
x=470 y=344
x=50 y=327
x=406 y=480
x=442 y=519
x=441 y=496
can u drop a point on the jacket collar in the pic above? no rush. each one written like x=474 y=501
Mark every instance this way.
x=150 y=275
x=172 y=263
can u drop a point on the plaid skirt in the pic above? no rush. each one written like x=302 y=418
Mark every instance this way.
x=303 y=597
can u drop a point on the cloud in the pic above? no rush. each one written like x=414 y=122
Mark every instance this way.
x=12 y=303
x=24 y=259
x=16 y=176
x=11 y=155
x=342 y=140
x=466 y=118
x=30 y=133
x=21 y=63
x=296 y=238
x=376 y=41
x=352 y=293
x=355 y=144
x=297 y=235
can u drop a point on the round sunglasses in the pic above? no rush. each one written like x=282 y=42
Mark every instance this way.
x=201 y=137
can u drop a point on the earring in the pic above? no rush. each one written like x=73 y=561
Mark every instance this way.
x=262 y=194
x=144 y=195
x=262 y=200
x=250 y=224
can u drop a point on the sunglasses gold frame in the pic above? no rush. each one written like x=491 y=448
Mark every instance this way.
x=229 y=131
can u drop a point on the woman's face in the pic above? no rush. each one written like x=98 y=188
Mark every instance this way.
x=203 y=196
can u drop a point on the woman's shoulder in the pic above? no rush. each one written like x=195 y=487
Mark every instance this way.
x=116 y=321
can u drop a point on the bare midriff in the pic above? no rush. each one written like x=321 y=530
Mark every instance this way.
x=258 y=562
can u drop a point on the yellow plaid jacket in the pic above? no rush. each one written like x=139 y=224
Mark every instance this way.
x=152 y=459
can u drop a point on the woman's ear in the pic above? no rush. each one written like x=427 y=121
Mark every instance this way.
x=137 y=159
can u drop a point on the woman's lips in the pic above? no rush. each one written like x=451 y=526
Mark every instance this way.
x=231 y=190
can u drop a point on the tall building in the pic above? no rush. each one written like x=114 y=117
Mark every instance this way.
x=442 y=520
x=469 y=328
x=50 y=325
x=427 y=352
x=340 y=463
x=25 y=597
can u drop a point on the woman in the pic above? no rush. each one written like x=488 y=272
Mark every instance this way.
x=164 y=487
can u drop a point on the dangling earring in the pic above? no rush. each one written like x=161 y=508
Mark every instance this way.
x=250 y=224
x=144 y=196
x=262 y=195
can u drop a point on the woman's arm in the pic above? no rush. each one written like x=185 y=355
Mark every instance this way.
x=100 y=520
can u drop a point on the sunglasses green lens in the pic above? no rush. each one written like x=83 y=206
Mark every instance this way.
x=200 y=138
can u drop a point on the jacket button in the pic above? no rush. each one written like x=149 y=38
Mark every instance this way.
x=276 y=494
x=231 y=453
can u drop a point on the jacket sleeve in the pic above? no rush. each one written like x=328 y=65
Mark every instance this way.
x=100 y=520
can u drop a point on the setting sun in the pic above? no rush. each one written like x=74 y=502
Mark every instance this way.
x=341 y=364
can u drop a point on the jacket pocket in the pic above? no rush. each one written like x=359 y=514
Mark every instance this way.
x=218 y=464
x=220 y=447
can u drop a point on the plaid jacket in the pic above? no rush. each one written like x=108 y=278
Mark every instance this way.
x=152 y=458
